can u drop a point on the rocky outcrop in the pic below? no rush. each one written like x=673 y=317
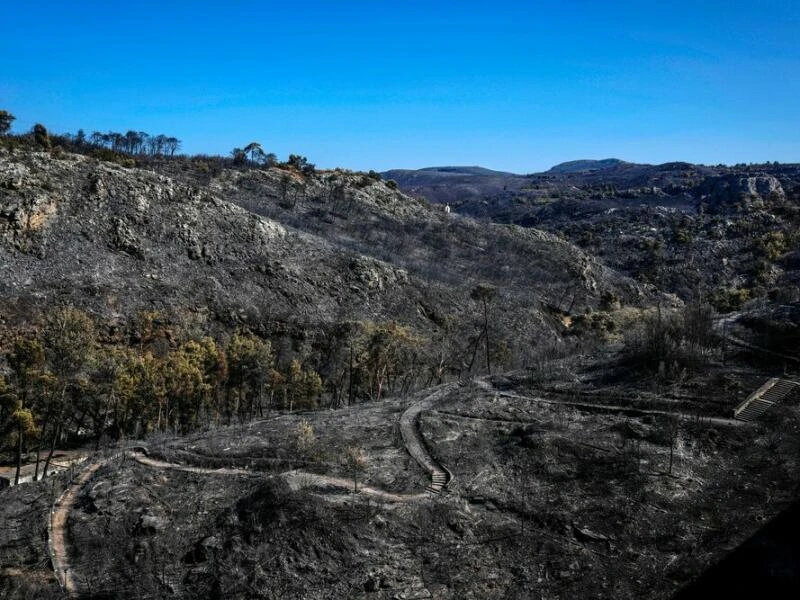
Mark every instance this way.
x=114 y=240
x=740 y=193
x=270 y=248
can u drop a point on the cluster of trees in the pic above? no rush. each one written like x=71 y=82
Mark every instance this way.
x=254 y=155
x=69 y=380
x=61 y=382
x=131 y=142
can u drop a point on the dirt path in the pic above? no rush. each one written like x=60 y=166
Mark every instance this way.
x=58 y=528
x=485 y=385
x=723 y=325
x=161 y=464
x=440 y=476
x=297 y=479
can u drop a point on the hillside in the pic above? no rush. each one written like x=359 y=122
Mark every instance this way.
x=649 y=221
x=291 y=383
x=264 y=248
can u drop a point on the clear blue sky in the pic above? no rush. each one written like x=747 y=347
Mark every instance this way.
x=516 y=86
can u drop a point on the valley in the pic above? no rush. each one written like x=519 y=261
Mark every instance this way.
x=291 y=383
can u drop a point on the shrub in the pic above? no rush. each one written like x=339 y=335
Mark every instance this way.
x=725 y=300
x=40 y=136
x=670 y=343
x=772 y=245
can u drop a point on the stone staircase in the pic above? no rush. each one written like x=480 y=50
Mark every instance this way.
x=773 y=391
x=441 y=477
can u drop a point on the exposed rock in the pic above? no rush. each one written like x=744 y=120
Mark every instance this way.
x=152 y=523
x=733 y=192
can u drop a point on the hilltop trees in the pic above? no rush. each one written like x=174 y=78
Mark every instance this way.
x=253 y=154
x=256 y=152
x=132 y=142
x=41 y=137
x=120 y=147
x=6 y=118
x=301 y=164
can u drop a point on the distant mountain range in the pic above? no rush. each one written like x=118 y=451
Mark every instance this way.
x=450 y=172
x=483 y=192
x=645 y=220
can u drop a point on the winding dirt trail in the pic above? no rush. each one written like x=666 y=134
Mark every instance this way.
x=440 y=478
x=57 y=528
x=297 y=479
x=161 y=464
x=486 y=386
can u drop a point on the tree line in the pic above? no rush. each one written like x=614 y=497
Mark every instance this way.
x=115 y=146
x=133 y=143
x=66 y=381
x=130 y=142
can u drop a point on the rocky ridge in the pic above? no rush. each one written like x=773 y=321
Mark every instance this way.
x=663 y=224
x=269 y=246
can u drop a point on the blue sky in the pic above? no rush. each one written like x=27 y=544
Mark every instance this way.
x=516 y=86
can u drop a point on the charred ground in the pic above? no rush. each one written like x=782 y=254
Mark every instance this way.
x=603 y=463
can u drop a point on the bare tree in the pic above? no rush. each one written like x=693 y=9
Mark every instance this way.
x=485 y=293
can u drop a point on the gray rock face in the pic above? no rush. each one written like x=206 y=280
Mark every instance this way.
x=233 y=250
x=739 y=192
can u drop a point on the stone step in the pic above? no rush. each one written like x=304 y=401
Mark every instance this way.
x=754 y=410
x=773 y=391
x=779 y=391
